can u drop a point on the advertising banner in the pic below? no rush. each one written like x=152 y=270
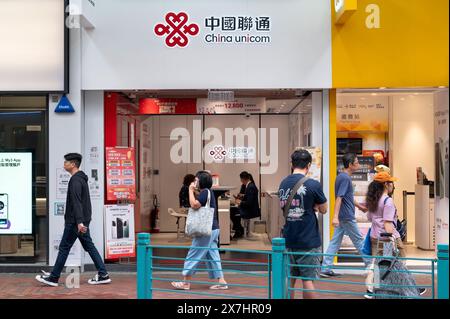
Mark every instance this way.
x=167 y=106
x=119 y=231
x=362 y=113
x=244 y=105
x=32 y=54
x=316 y=165
x=120 y=173
x=16 y=202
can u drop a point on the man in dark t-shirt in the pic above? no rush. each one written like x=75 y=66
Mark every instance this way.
x=301 y=230
x=344 y=220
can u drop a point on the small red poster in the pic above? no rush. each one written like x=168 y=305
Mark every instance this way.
x=120 y=173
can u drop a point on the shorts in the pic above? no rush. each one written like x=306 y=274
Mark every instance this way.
x=312 y=261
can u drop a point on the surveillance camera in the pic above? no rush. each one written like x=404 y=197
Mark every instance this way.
x=247 y=115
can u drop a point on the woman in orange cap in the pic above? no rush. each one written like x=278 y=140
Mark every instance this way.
x=382 y=212
x=383 y=215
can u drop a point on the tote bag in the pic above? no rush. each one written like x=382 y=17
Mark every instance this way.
x=199 y=221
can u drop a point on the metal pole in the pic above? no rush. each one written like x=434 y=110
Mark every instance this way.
x=143 y=267
x=442 y=267
x=278 y=277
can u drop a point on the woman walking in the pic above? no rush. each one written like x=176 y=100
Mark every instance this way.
x=203 y=181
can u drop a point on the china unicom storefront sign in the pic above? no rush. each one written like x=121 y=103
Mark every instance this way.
x=208 y=44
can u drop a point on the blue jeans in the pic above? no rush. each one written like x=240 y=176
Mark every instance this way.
x=212 y=256
x=69 y=237
x=349 y=228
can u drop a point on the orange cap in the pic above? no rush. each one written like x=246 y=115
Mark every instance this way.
x=384 y=177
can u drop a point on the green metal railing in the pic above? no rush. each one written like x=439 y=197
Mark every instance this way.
x=274 y=280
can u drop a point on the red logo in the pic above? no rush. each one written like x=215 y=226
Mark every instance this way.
x=218 y=153
x=177 y=29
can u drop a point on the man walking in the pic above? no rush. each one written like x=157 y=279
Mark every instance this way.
x=344 y=219
x=300 y=198
x=77 y=218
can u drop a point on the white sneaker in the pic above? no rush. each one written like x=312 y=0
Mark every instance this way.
x=369 y=295
x=47 y=280
x=99 y=280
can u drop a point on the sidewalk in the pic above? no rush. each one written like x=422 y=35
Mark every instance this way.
x=24 y=286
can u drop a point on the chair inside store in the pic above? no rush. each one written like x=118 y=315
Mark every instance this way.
x=179 y=213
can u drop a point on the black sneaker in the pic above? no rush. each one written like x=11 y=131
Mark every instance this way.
x=99 y=280
x=47 y=280
x=369 y=294
x=422 y=291
x=328 y=274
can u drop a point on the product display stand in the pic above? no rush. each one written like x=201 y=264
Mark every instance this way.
x=124 y=260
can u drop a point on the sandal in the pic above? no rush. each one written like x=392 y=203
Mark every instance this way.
x=219 y=287
x=179 y=285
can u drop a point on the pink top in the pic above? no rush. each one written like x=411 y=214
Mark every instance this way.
x=386 y=211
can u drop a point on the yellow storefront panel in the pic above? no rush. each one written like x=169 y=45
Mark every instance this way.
x=391 y=43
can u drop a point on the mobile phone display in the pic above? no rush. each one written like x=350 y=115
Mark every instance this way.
x=3 y=210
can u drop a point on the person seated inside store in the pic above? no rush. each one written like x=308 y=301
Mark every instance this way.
x=247 y=204
x=183 y=195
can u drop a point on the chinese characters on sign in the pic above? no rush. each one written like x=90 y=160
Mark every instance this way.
x=62 y=183
x=238 y=23
x=240 y=105
x=256 y=29
x=355 y=113
x=10 y=162
x=120 y=173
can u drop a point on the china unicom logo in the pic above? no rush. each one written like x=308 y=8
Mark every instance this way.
x=176 y=29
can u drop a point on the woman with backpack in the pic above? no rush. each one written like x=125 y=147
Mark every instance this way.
x=382 y=212
x=383 y=215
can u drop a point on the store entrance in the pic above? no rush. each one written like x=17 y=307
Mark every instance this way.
x=174 y=137
x=407 y=132
x=23 y=130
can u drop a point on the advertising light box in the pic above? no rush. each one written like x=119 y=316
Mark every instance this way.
x=33 y=44
x=16 y=176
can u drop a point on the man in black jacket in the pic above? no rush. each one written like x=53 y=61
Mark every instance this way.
x=77 y=218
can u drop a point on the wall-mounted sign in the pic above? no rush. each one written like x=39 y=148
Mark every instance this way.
x=241 y=105
x=119 y=231
x=16 y=193
x=167 y=106
x=315 y=171
x=219 y=153
x=120 y=173
x=60 y=209
x=62 y=183
x=32 y=45
x=201 y=46
x=64 y=106
x=362 y=113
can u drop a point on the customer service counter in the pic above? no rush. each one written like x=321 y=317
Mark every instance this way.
x=224 y=206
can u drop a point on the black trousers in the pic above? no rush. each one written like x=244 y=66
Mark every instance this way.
x=235 y=215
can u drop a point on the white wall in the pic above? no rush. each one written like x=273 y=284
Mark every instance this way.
x=411 y=145
x=94 y=160
x=66 y=135
x=442 y=139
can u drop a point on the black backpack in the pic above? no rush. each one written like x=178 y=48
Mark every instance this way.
x=400 y=226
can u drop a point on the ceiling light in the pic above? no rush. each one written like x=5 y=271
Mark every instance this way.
x=383 y=88
x=374 y=94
